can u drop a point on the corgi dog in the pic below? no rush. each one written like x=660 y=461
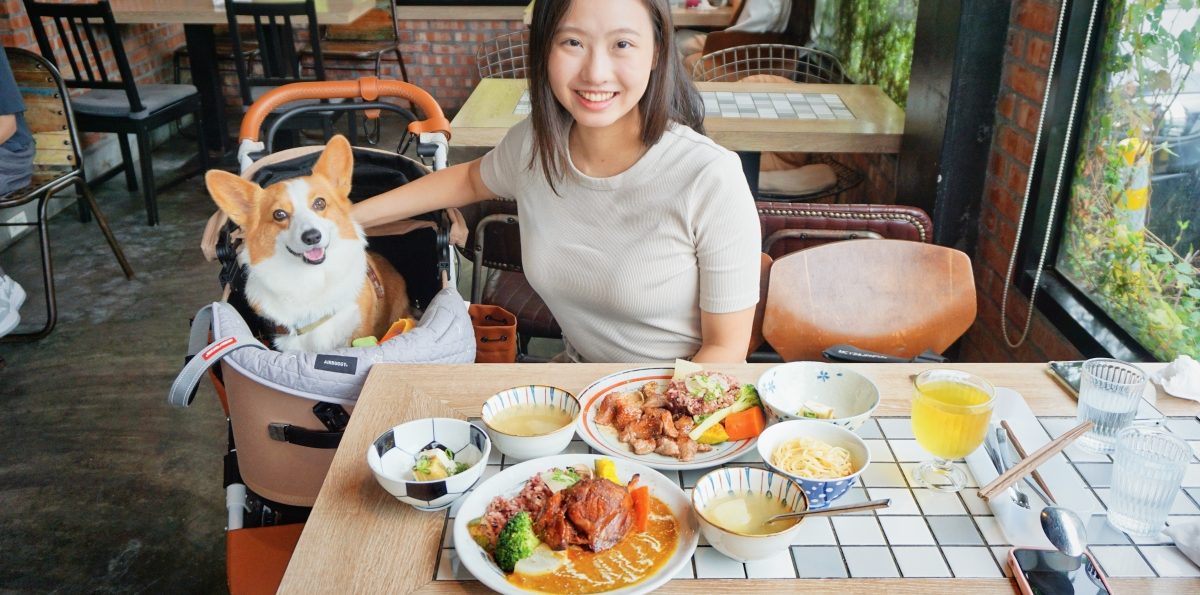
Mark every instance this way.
x=309 y=271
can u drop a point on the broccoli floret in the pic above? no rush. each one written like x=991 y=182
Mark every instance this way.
x=748 y=397
x=516 y=542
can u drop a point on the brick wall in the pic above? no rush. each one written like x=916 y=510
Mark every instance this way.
x=1030 y=41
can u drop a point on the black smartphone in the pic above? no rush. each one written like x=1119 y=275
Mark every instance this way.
x=1051 y=572
x=1067 y=374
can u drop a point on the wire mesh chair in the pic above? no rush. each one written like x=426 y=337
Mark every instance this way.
x=800 y=64
x=805 y=178
x=504 y=57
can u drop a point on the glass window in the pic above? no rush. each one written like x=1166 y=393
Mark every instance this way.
x=1131 y=231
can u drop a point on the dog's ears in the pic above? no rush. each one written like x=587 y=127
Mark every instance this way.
x=237 y=197
x=336 y=164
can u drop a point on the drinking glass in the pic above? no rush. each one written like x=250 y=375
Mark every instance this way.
x=1109 y=393
x=950 y=415
x=1148 y=470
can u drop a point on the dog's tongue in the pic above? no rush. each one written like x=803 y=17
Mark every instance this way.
x=315 y=254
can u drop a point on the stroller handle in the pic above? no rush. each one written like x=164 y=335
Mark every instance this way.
x=369 y=88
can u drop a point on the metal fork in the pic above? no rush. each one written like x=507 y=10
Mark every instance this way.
x=994 y=452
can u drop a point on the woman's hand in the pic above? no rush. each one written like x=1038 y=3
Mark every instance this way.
x=724 y=338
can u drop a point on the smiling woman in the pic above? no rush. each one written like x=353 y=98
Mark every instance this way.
x=638 y=232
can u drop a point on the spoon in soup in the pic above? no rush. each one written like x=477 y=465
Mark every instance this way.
x=871 y=505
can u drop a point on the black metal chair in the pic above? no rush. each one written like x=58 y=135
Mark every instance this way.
x=114 y=103
x=280 y=47
x=59 y=165
x=504 y=57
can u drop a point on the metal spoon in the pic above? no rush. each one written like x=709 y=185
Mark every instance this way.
x=872 y=505
x=1065 y=530
x=1063 y=526
x=1001 y=462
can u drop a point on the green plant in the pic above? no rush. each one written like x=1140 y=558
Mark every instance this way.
x=872 y=38
x=1141 y=280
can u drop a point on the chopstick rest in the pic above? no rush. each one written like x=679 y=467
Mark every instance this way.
x=1033 y=461
x=1012 y=437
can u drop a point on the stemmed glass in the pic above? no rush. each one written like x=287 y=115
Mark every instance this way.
x=950 y=416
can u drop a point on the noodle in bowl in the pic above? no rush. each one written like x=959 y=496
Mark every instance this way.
x=824 y=458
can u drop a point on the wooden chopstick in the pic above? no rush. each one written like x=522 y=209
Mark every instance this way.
x=1012 y=437
x=1033 y=461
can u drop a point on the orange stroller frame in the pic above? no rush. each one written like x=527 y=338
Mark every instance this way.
x=285 y=413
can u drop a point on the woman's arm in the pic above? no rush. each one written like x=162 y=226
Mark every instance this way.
x=8 y=127
x=724 y=338
x=455 y=186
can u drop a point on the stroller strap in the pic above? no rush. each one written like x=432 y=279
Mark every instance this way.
x=202 y=355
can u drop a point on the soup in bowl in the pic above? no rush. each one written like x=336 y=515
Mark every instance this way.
x=531 y=421
x=733 y=504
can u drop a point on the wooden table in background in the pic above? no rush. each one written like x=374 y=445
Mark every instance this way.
x=876 y=128
x=198 y=18
x=717 y=18
x=360 y=539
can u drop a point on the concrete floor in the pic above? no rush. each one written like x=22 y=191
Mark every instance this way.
x=104 y=488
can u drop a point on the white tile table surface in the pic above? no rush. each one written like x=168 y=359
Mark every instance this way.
x=924 y=533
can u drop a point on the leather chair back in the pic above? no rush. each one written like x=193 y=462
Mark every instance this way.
x=891 y=296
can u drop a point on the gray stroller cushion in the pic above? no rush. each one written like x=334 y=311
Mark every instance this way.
x=444 y=335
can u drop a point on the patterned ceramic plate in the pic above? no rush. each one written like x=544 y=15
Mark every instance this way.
x=604 y=438
x=509 y=482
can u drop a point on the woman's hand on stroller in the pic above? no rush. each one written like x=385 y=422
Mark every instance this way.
x=458 y=228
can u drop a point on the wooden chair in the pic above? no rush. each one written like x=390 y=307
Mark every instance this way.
x=367 y=40
x=788 y=227
x=279 y=48
x=504 y=57
x=785 y=176
x=890 y=296
x=115 y=103
x=58 y=165
x=494 y=242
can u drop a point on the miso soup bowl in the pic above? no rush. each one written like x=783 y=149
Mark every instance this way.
x=745 y=547
x=392 y=455
x=531 y=447
x=821 y=492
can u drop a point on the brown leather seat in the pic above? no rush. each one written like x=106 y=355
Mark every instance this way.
x=891 y=296
x=788 y=227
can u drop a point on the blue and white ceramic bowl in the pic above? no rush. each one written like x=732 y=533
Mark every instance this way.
x=530 y=447
x=785 y=388
x=740 y=546
x=820 y=492
x=392 y=455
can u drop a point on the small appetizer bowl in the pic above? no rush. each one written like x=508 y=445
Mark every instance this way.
x=392 y=456
x=534 y=395
x=786 y=387
x=785 y=494
x=820 y=492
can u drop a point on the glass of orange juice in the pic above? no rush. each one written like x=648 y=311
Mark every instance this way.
x=950 y=416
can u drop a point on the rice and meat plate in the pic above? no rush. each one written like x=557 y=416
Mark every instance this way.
x=701 y=393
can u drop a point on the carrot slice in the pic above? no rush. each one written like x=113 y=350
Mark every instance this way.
x=641 y=508
x=745 y=424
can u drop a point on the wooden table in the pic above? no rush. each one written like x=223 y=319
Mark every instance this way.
x=876 y=128
x=360 y=539
x=198 y=18
x=717 y=18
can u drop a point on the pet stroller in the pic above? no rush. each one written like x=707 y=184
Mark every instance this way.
x=286 y=410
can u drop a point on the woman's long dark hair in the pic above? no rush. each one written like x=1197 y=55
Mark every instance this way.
x=670 y=95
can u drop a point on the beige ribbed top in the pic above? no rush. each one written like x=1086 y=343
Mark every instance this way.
x=627 y=262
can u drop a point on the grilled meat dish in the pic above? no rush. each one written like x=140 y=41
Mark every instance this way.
x=594 y=513
x=644 y=420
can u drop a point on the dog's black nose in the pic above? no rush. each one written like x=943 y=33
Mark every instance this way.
x=311 y=237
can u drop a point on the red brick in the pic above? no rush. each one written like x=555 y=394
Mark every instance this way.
x=1027 y=82
x=1016 y=145
x=1037 y=16
x=1037 y=52
x=1016 y=44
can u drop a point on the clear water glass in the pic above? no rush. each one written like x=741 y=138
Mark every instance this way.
x=1147 y=475
x=1109 y=393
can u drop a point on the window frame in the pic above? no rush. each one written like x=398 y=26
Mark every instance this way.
x=1083 y=322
